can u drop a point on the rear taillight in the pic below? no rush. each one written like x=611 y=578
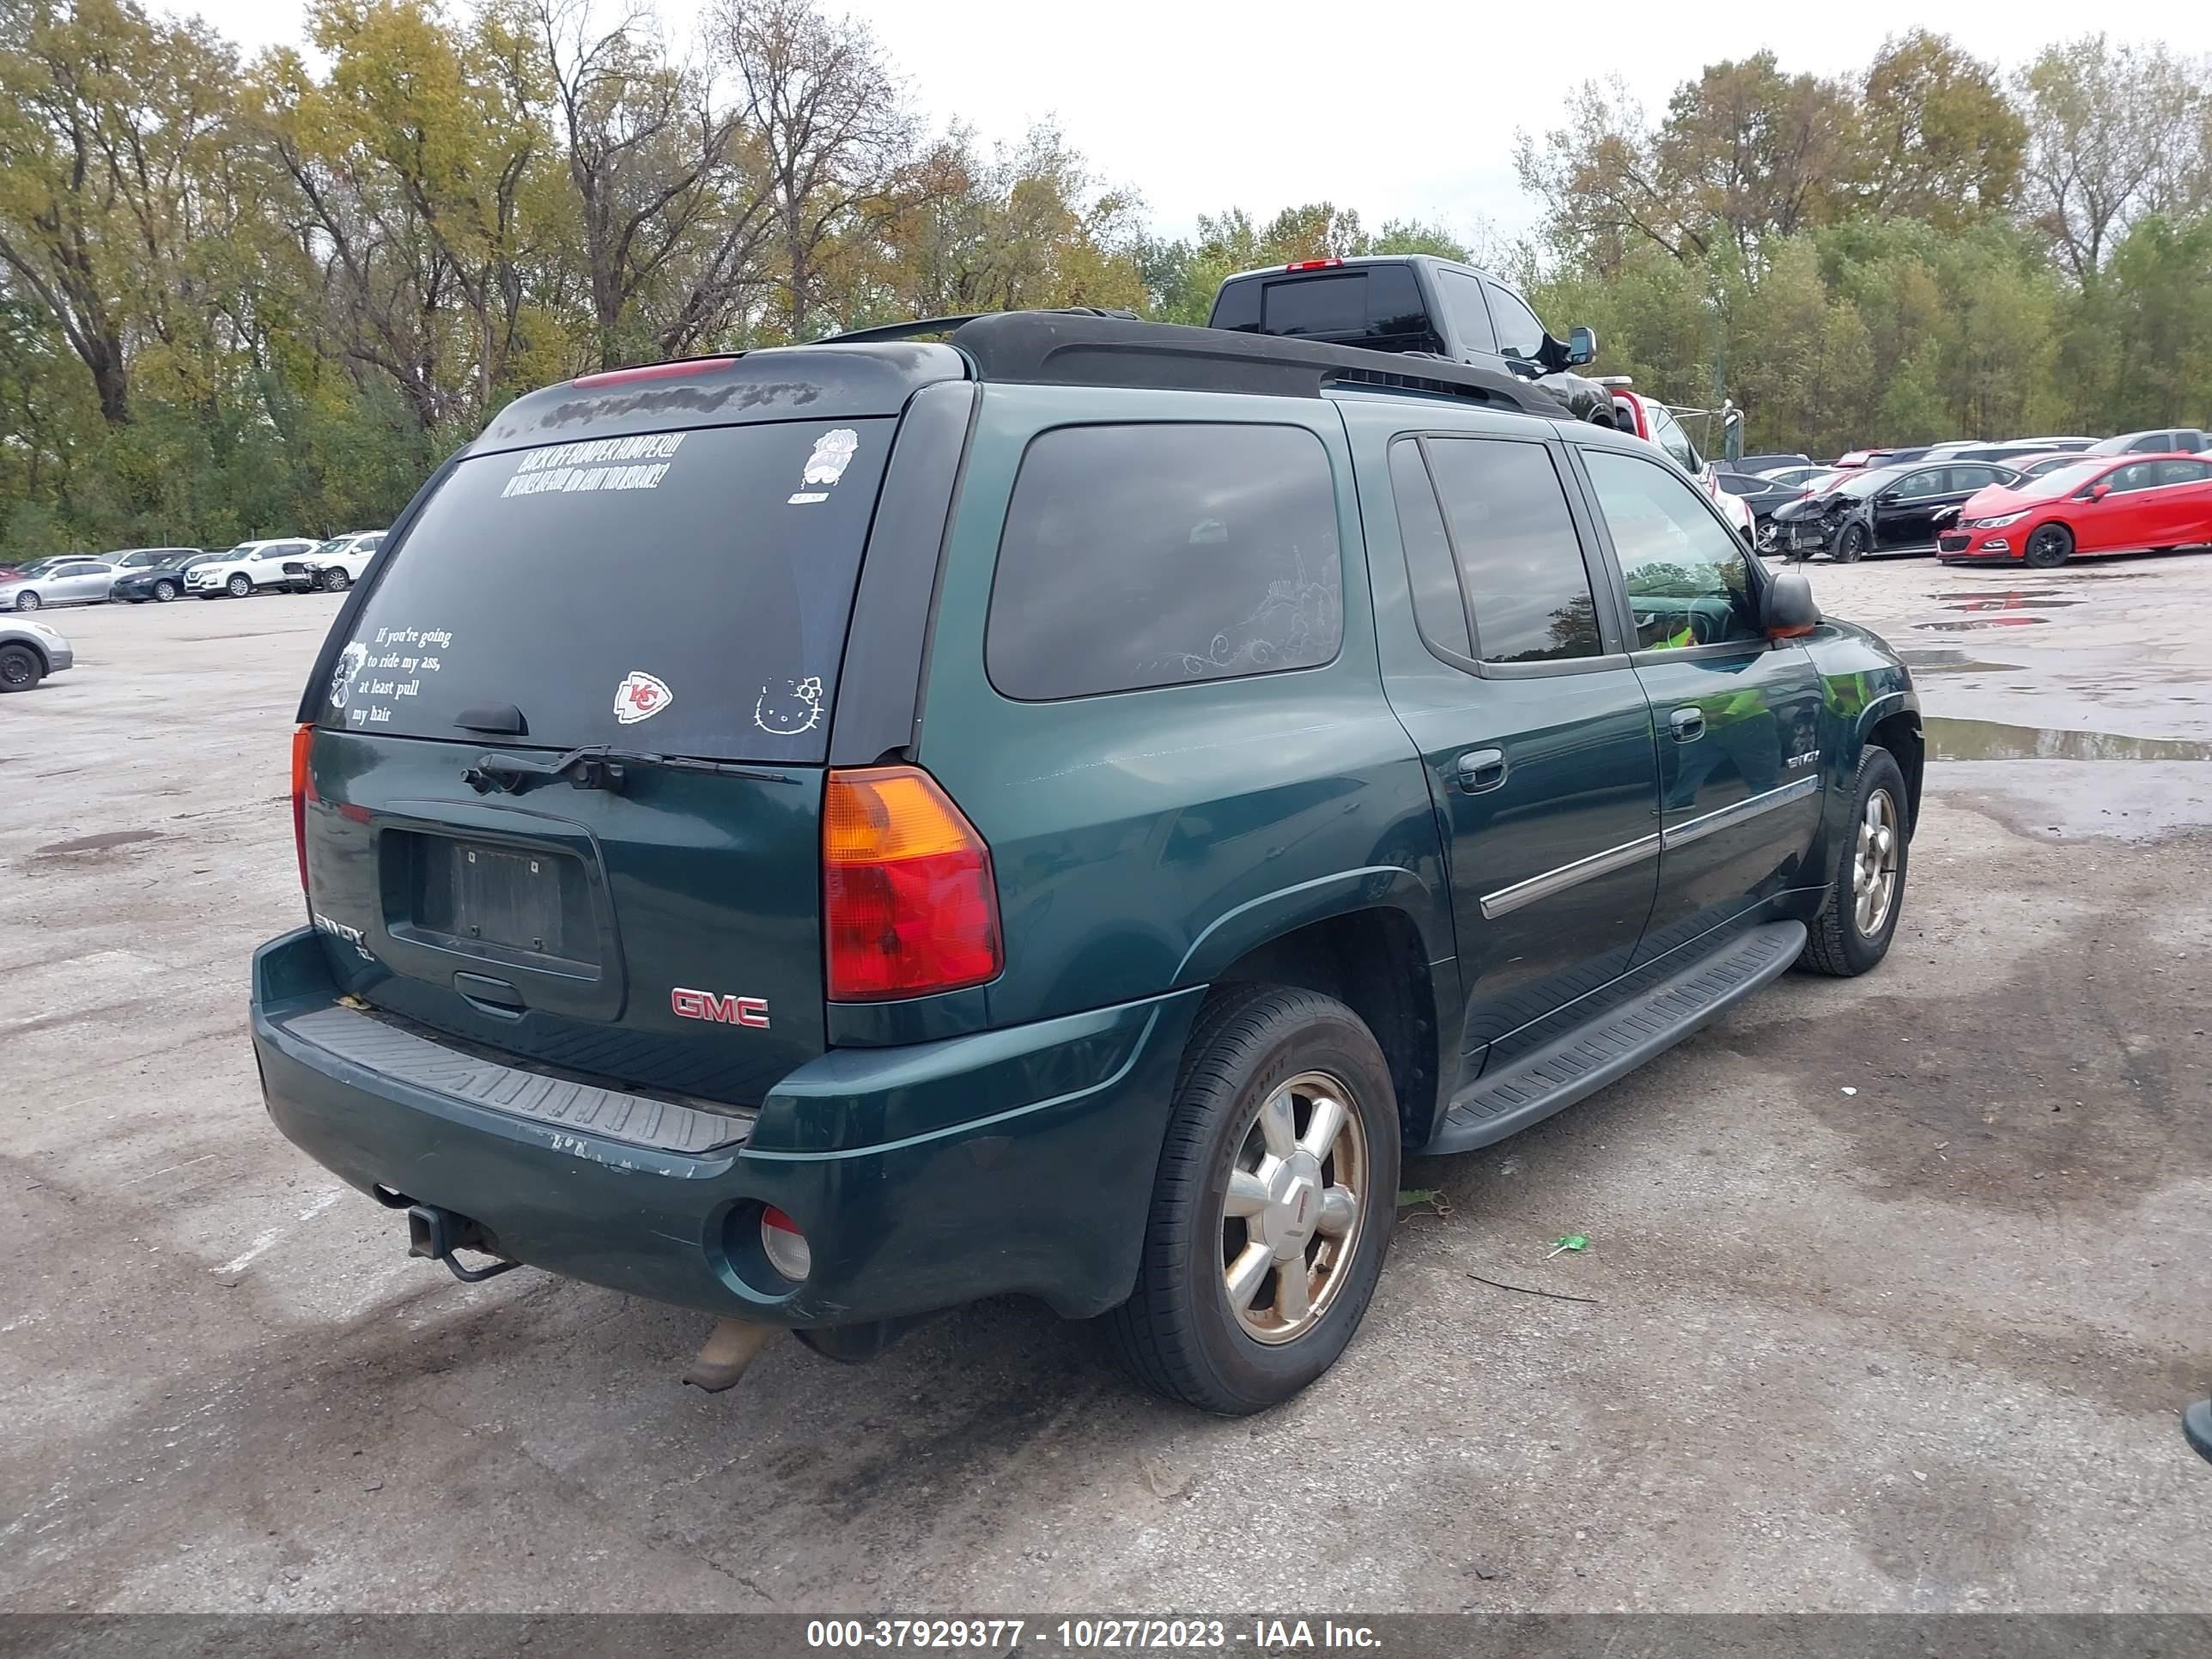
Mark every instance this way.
x=303 y=790
x=908 y=902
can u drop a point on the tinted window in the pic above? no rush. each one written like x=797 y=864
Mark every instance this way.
x=1926 y=482
x=2141 y=476
x=1142 y=556
x=1438 y=606
x=1359 y=304
x=1519 y=333
x=572 y=580
x=1462 y=298
x=2180 y=472
x=1974 y=478
x=1519 y=557
x=1689 y=580
x=1736 y=484
x=1237 y=305
x=2149 y=444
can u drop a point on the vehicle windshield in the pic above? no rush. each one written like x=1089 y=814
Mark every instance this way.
x=2061 y=480
x=335 y=544
x=44 y=567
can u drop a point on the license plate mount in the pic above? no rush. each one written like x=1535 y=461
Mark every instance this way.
x=503 y=901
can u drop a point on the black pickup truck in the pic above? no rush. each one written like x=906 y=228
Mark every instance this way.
x=1415 y=302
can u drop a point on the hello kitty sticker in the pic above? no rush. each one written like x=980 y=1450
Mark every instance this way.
x=833 y=453
x=787 y=707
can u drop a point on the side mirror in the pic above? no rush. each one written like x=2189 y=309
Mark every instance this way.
x=2098 y=491
x=1888 y=498
x=1790 y=608
x=1581 y=347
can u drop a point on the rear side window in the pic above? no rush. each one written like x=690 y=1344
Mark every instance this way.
x=1159 y=555
x=1237 y=305
x=1519 y=556
x=680 y=593
x=1439 y=608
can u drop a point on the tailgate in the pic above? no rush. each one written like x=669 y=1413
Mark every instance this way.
x=668 y=935
x=568 y=773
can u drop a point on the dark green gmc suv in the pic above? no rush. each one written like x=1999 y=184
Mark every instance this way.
x=825 y=834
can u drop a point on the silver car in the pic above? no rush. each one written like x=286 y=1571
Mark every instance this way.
x=68 y=580
x=29 y=652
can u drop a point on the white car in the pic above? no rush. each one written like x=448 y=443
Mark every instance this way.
x=337 y=564
x=252 y=566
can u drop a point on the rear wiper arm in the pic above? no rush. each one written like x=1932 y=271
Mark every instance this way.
x=588 y=768
x=595 y=766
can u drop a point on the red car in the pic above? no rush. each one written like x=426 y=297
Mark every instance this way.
x=2100 y=504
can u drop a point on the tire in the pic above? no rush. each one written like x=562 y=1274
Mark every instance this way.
x=27 y=600
x=20 y=668
x=1839 y=944
x=240 y=586
x=1851 y=544
x=1178 y=1334
x=164 y=591
x=336 y=581
x=2051 y=546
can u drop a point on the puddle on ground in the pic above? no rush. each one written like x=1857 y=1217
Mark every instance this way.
x=1950 y=660
x=1952 y=595
x=1987 y=740
x=2011 y=602
x=1983 y=621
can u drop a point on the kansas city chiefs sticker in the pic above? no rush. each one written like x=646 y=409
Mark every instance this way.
x=640 y=697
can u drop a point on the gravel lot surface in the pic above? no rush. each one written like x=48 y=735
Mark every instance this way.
x=1899 y=1283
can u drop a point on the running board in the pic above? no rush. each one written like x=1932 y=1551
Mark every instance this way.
x=1586 y=1059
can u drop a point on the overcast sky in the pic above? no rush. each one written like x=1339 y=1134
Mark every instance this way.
x=1400 y=110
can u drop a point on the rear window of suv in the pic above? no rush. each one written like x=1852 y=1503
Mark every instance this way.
x=680 y=592
x=1135 y=557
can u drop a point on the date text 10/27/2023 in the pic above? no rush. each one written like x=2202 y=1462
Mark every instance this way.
x=1133 y=1635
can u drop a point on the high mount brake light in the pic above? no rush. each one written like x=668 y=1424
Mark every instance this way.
x=909 y=906
x=303 y=790
x=651 y=371
x=1312 y=264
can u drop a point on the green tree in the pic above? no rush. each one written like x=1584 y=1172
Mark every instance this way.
x=1939 y=143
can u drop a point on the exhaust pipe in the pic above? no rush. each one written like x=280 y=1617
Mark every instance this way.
x=729 y=1351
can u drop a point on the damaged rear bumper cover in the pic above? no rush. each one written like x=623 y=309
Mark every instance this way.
x=1002 y=1162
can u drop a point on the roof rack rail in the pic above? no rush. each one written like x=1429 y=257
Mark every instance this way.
x=1090 y=347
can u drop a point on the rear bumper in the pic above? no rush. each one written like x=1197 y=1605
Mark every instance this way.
x=1035 y=1177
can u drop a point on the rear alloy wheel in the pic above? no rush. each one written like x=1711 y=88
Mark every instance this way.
x=240 y=586
x=26 y=601
x=164 y=591
x=2051 y=546
x=20 y=668
x=1851 y=544
x=1866 y=879
x=1273 y=1205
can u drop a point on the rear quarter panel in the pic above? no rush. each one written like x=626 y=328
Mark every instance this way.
x=1142 y=841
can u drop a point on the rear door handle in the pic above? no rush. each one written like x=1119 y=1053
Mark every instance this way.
x=1688 y=724
x=1481 y=769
